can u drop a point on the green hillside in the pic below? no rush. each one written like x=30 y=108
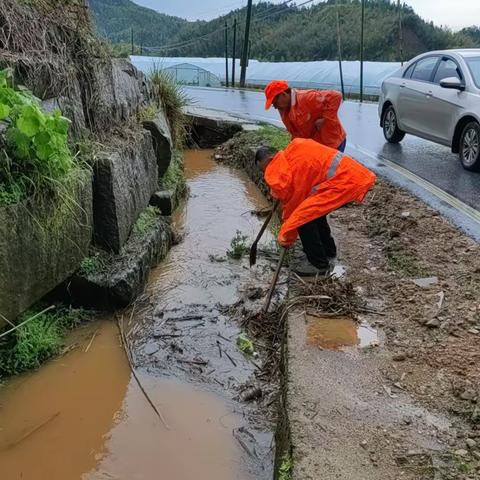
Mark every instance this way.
x=115 y=20
x=283 y=33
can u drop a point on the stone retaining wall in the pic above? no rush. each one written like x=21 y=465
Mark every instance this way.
x=41 y=245
x=125 y=179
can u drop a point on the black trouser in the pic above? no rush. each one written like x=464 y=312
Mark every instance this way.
x=318 y=243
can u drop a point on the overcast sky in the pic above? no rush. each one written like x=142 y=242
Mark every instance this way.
x=452 y=13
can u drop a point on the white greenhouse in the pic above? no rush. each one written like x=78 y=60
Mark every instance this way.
x=322 y=74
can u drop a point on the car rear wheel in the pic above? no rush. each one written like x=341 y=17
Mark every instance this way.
x=470 y=147
x=391 y=131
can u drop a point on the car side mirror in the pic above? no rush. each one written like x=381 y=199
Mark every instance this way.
x=452 y=82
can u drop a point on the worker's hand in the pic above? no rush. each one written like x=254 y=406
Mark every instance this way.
x=284 y=243
x=319 y=124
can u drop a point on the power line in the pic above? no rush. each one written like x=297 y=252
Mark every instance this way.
x=276 y=7
x=263 y=17
x=187 y=43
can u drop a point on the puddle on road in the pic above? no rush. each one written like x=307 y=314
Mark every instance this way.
x=339 y=333
x=83 y=417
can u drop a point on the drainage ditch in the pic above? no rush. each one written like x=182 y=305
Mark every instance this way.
x=217 y=403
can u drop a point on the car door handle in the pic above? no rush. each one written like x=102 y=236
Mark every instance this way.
x=429 y=94
x=402 y=85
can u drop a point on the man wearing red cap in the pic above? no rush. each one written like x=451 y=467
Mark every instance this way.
x=308 y=113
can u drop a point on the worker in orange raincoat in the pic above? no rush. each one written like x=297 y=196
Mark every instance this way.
x=312 y=180
x=308 y=113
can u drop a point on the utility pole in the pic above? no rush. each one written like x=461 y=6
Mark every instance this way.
x=361 y=51
x=226 y=54
x=339 y=43
x=243 y=73
x=400 y=29
x=131 y=31
x=234 y=51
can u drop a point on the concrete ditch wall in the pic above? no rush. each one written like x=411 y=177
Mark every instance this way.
x=41 y=245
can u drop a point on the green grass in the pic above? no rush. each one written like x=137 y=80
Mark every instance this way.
x=174 y=178
x=405 y=263
x=148 y=113
x=285 y=472
x=172 y=98
x=238 y=246
x=91 y=265
x=29 y=346
x=274 y=137
x=147 y=219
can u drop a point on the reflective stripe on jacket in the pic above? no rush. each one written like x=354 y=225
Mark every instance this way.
x=312 y=180
x=307 y=107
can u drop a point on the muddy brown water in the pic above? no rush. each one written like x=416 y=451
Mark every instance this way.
x=82 y=416
x=339 y=333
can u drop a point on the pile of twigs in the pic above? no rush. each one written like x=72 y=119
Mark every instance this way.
x=269 y=330
x=328 y=296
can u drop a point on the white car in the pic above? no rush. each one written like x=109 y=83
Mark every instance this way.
x=436 y=96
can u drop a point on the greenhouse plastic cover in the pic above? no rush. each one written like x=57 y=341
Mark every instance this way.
x=322 y=74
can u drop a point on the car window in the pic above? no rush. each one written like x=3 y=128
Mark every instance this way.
x=474 y=65
x=409 y=70
x=424 y=69
x=446 y=69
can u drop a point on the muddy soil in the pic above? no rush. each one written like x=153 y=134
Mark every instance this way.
x=422 y=277
x=84 y=416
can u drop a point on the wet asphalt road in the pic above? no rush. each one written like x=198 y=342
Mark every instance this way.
x=432 y=162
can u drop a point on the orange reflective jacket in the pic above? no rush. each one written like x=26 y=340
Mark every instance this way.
x=312 y=180
x=307 y=107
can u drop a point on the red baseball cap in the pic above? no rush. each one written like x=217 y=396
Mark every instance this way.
x=273 y=89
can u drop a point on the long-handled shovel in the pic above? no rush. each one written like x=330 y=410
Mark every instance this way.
x=274 y=281
x=253 y=248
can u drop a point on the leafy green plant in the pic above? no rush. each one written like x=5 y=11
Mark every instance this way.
x=286 y=468
x=238 y=246
x=35 y=155
x=146 y=220
x=37 y=341
x=245 y=344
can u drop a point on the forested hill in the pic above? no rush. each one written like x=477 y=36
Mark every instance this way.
x=115 y=20
x=284 y=33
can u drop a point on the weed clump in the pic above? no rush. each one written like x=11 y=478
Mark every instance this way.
x=91 y=265
x=174 y=178
x=171 y=97
x=147 y=219
x=38 y=340
x=238 y=246
x=286 y=468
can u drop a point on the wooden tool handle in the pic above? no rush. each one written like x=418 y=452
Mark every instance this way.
x=274 y=281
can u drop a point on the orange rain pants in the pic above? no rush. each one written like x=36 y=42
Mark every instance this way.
x=312 y=180
x=307 y=107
